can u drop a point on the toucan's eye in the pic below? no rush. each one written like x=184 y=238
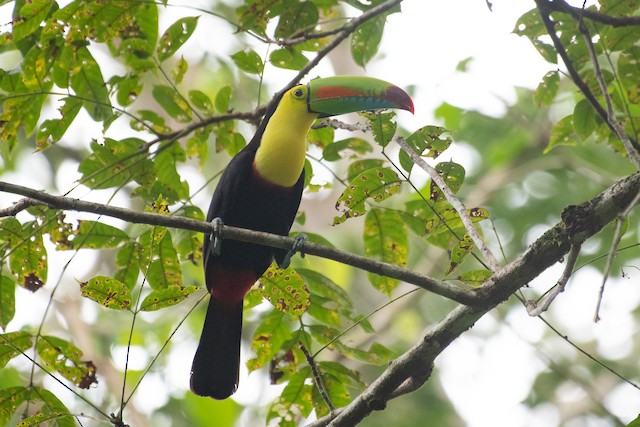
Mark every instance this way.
x=298 y=93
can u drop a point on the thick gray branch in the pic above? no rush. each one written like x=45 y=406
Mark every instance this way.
x=578 y=224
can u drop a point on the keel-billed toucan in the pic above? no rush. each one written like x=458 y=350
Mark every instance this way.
x=261 y=190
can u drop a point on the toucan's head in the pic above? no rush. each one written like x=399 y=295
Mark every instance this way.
x=332 y=96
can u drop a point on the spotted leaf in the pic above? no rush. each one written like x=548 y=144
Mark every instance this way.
x=107 y=291
x=285 y=289
x=378 y=184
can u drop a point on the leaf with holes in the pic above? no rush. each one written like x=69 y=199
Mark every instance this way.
x=285 y=289
x=298 y=18
x=382 y=126
x=28 y=257
x=296 y=398
x=175 y=36
x=460 y=252
x=332 y=151
x=427 y=138
x=365 y=40
x=171 y=295
x=386 y=240
x=114 y=163
x=65 y=358
x=453 y=175
x=107 y=291
x=288 y=58
x=378 y=184
x=268 y=339
x=546 y=91
x=248 y=61
x=475 y=278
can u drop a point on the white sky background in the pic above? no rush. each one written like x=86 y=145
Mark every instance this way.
x=421 y=47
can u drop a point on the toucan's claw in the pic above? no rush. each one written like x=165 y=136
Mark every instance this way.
x=298 y=244
x=216 y=236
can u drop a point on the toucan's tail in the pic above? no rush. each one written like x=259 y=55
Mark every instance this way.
x=216 y=364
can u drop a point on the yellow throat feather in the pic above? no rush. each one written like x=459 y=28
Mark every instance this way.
x=280 y=156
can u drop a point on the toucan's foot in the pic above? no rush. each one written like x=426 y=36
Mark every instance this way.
x=298 y=243
x=216 y=236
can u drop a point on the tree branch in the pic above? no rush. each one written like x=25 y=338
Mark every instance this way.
x=545 y=9
x=454 y=201
x=578 y=13
x=578 y=224
x=445 y=289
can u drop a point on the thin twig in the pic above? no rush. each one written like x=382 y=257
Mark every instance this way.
x=536 y=309
x=617 y=236
x=316 y=376
x=454 y=201
x=611 y=115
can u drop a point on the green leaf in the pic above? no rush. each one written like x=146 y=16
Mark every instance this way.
x=88 y=83
x=223 y=99
x=167 y=297
x=108 y=292
x=546 y=91
x=175 y=36
x=285 y=289
x=51 y=130
x=164 y=270
x=7 y=300
x=321 y=137
x=97 y=235
x=332 y=151
x=297 y=19
x=172 y=102
x=382 y=126
x=65 y=358
x=584 y=119
x=426 y=138
x=453 y=175
x=376 y=355
x=248 y=61
x=201 y=101
x=360 y=166
x=28 y=257
x=385 y=239
x=114 y=163
x=179 y=70
x=50 y=408
x=128 y=264
x=475 y=278
x=365 y=40
x=29 y=18
x=288 y=58
x=562 y=133
x=547 y=51
x=268 y=338
x=378 y=184
x=12 y=345
x=168 y=183
x=10 y=400
x=296 y=398
x=189 y=243
x=149 y=120
x=459 y=253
